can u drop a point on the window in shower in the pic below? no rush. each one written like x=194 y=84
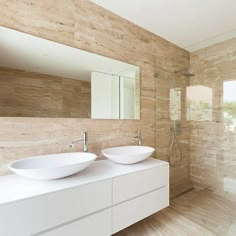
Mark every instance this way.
x=175 y=103
x=230 y=105
x=199 y=103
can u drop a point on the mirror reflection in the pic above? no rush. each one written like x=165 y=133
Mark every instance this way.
x=41 y=78
x=229 y=105
x=175 y=104
x=199 y=103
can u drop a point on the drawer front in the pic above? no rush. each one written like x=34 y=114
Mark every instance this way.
x=33 y=215
x=132 y=185
x=98 y=224
x=130 y=212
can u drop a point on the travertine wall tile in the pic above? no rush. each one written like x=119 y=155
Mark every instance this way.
x=83 y=24
x=169 y=69
x=213 y=148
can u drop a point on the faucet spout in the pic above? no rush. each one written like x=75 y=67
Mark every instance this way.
x=139 y=137
x=84 y=140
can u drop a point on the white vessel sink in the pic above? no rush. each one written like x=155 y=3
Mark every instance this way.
x=128 y=154
x=53 y=166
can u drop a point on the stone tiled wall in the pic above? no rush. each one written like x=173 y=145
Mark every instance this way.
x=169 y=74
x=213 y=146
x=83 y=24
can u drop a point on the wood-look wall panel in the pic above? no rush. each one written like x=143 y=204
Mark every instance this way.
x=83 y=24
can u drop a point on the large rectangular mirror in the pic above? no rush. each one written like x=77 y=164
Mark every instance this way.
x=41 y=78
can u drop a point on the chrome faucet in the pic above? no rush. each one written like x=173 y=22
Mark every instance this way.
x=139 y=137
x=84 y=140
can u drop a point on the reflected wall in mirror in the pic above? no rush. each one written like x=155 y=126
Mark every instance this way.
x=199 y=103
x=229 y=106
x=175 y=104
x=41 y=78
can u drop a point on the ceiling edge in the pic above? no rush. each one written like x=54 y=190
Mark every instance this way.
x=217 y=39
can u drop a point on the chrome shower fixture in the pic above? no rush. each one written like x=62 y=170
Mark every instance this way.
x=186 y=72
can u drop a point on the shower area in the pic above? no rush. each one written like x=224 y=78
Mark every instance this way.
x=172 y=126
x=196 y=133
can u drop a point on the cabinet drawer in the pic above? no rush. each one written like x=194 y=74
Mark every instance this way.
x=132 y=211
x=40 y=213
x=132 y=185
x=98 y=224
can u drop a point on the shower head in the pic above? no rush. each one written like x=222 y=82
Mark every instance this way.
x=186 y=72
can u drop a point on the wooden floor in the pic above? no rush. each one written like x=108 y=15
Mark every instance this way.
x=196 y=213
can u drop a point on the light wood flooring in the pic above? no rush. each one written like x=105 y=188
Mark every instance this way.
x=196 y=213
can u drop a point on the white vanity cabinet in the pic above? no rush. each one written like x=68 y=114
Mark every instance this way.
x=98 y=224
x=40 y=213
x=138 y=195
x=101 y=200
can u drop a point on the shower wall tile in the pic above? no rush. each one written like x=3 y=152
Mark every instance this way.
x=213 y=148
x=167 y=77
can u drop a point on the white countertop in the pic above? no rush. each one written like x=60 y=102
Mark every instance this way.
x=15 y=188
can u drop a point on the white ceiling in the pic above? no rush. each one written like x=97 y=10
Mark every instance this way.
x=190 y=24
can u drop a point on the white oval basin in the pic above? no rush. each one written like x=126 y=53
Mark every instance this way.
x=53 y=166
x=128 y=154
